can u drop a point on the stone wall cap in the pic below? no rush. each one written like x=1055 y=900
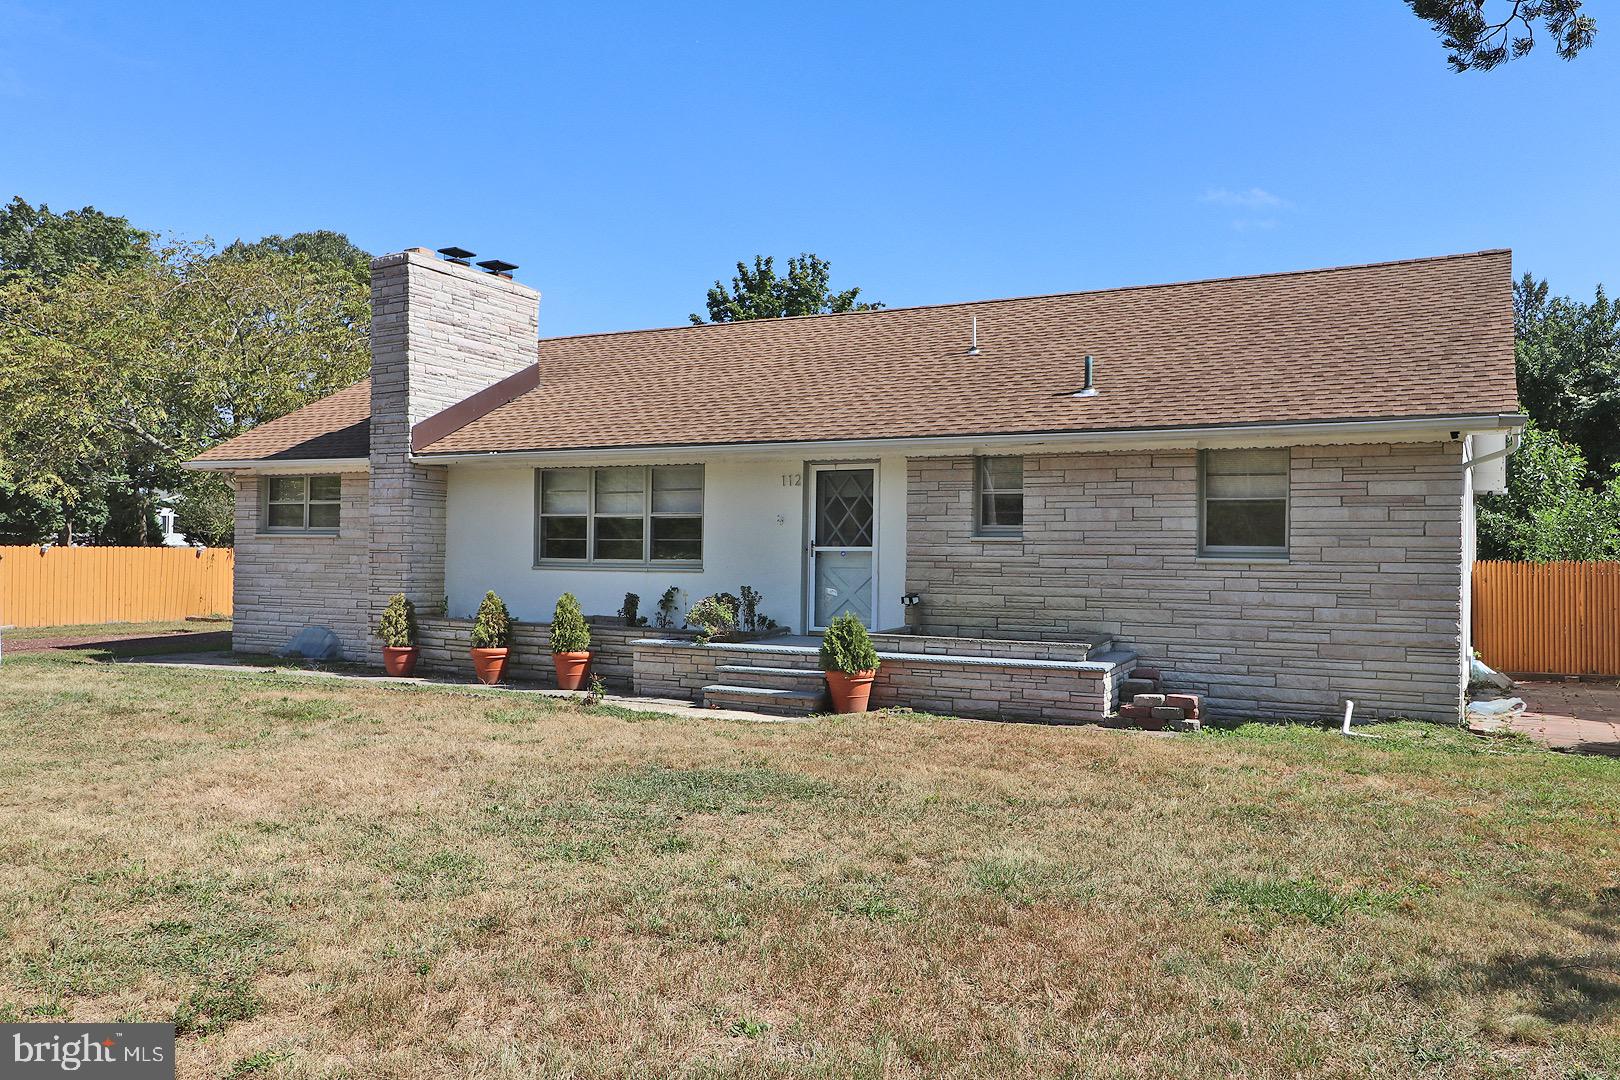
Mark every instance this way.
x=1103 y=662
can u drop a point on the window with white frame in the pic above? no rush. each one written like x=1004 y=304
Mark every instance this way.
x=302 y=503
x=1245 y=502
x=620 y=514
x=998 y=496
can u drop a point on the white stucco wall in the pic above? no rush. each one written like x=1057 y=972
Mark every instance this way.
x=754 y=534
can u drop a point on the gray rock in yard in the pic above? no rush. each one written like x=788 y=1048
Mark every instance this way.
x=314 y=643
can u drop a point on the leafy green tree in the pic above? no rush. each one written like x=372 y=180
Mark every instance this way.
x=205 y=509
x=320 y=246
x=759 y=293
x=1550 y=510
x=1568 y=359
x=1479 y=40
x=128 y=373
x=39 y=245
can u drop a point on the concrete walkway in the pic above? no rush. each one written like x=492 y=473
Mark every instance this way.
x=1581 y=716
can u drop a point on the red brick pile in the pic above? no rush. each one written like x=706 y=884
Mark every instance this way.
x=1153 y=710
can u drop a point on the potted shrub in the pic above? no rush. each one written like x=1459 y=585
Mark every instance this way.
x=570 y=644
x=397 y=628
x=850 y=661
x=491 y=639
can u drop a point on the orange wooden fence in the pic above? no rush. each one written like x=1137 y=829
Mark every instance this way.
x=1560 y=618
x=69 y=586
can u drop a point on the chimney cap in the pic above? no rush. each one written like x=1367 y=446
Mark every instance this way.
x=456 y=254
x=496 y=266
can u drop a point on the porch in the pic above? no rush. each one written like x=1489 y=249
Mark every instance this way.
x=1051 y=682
x=1062 y=682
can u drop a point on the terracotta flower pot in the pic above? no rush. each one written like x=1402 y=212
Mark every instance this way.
x=400 y=660
x=489 y=664
x=573 y=669
x=850 y=693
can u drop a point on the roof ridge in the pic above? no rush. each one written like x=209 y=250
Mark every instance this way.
x=1039 y=296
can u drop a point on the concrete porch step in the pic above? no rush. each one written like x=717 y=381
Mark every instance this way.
x=780 y=678
x=765 y=699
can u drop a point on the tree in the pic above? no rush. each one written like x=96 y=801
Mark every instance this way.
x=1550 y=511
x=320 y=246
x=108 y=381
x=1475 y=42
x=43 y=246
x=760 y=294
x=1568 y=359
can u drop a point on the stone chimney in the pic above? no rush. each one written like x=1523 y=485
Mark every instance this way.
x=440 y=332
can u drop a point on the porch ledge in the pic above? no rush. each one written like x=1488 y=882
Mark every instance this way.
x=1102 y=662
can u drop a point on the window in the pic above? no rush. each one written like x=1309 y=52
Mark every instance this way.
x=302 y=503
x=1245 y=502
x=620 y=514
x=999 y=496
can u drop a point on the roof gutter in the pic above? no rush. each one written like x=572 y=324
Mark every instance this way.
x=1213 y=435
x=282 y=465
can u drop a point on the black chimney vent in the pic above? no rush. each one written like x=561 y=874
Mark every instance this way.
x=459 y=256
x=499 y=268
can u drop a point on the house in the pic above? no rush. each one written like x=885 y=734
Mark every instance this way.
x=1262 y=486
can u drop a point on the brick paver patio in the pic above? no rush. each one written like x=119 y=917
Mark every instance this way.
x=1571 y=715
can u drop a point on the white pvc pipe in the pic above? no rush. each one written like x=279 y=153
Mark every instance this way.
x=1349 y=710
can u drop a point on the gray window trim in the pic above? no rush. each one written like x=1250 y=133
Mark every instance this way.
x=1255 y=553
x=306 y=529
x=980 y=529
x=648 y=516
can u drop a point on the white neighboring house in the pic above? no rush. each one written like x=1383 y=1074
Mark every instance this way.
x=171 y=536
x=1262 y=488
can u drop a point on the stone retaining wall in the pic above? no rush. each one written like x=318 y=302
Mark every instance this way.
x=446 y=645
x=985 y=687
x=969 y=646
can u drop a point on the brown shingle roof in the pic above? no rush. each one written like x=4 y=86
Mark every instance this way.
x=1411 y=339
x=336 y=426
x=1429 y=337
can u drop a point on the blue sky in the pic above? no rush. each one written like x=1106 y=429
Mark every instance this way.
x=627 y=155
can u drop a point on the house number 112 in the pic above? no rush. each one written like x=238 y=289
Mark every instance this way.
x=792 y=479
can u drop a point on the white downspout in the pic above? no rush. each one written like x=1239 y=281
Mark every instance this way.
x=1513 y=442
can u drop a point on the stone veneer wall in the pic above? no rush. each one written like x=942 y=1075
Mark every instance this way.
x=988 y=687
x=445 y=645
x=286 y=581
x=439 y=334
x=1367 y=606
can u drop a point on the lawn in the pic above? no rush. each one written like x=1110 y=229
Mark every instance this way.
x=322 y=879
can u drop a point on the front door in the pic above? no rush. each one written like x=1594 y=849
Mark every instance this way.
x=842 y=562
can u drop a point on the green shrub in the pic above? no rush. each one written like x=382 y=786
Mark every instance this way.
x=568 y=630
x=713 y=615
x=846 y=647
x=668 y=604
x=748 y=616
x=492 y=626
x=397 y=627
x=630 y=610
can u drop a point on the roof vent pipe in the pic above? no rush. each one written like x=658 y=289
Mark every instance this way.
x=973 y=347
x=1090 y=388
